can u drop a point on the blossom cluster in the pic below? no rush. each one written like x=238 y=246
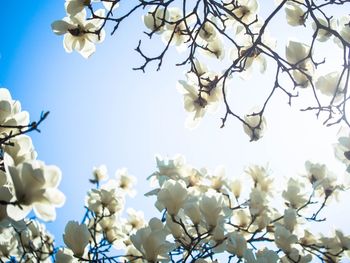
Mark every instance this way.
x=207 y=216
x=236 y=35
x=26 y=184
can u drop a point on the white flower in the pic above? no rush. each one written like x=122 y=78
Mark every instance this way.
x=290 y=219
x=256 y=128
x=284 y=238
x=154 y=20
x=236 y=244
x=342 y=148
x=99 y=173
x=150 y=241
x=80 y=34
x=331 y=85
x=207 y=32
x=294 y=14
x=65 y=255
x=257 y=202
x=172 y=196
x=345 y=28
x=197 y=101
x=297 y=54
x=35 y=186
x=262 y=256
x=11 y=114
x=76 y=236
x=8 y=244
x=214 y=48
x=322 y=34
x=211 y=206
x=21 y=150
x=107 y=200
x=292 y=195
x=76 y=6
x=125 y=181
x=136 y=219
x=245 y=11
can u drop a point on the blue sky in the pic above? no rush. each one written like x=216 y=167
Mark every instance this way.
x=103 y=112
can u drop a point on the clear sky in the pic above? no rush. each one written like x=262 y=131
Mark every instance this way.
x=103 y=112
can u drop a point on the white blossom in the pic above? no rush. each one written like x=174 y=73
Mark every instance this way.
x=80 y=34
x=76 y=237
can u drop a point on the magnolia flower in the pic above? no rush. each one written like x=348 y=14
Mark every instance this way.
x=257 y=202
x=290 y=219
x=11 y=114
x=331 y=85
x=176 y=29
x=76 y=237
x=207 y=32
x=214 y=48
x=245 y=10
x=76 y=6
x=35 y=186
x=261 y=178
x=65 y=255
x=155 y=20
x=322 y=34
x=297 y=54
x=255 y=126
x=236 y=244
x=294 y=14
x=126 y=182
x=197 y=103
x=192 y=210
x=211 y=206
x=80 y=34
x=172 y=196
x=8 y=244
x=150 y=241
x=175 y=229
x=344 y=28
x=342 y=148
x=99 y=173
x=35 y=238
x=21 y=150
x=236 y=188
x=284 y=238
x=262 y=256
x=316 y=173
x=292 y=195
x=135 y=220
x=107 y=200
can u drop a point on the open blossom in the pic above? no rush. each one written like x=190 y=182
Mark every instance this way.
x=293 y=194
x=150 y=241
x=11 y=113
x=21 y=150
x=256 y=128
x=35 y=186
x=172 y=196
x=331 y=85
x=126 y=182
x=211 y=206
x=236 y=244
x=342 y=148
x=197 y=103
x=262 y=256
x=80 y=34
x=297 y=54
x=99 y=173
x=65 y=255
x=294 y=14
x=76 y=237
x=107 y=200
x=284 y=238
x=245 y=10
x=154 y=20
